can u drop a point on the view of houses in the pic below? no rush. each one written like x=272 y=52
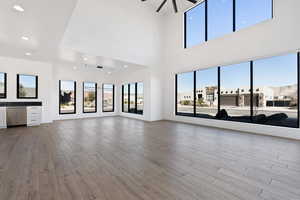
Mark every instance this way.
x=89 y=98
x=108 y=99
x=67 y=97
x=266 y=100
x=67 y=101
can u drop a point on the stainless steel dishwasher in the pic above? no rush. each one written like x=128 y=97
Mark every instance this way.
x=16 y=116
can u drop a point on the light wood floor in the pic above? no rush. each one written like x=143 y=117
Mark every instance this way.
x=117 y=158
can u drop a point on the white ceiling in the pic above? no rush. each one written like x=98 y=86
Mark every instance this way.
x=43 y=21
x=112 y=33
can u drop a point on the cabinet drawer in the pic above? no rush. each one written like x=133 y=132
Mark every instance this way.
x=33 y=115
x=34 y=109
x=33 y=122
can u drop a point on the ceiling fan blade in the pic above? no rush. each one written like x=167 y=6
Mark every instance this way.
x=175 y=6
x=192 y=1
x=161 y=5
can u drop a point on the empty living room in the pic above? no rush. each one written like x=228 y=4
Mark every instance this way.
x=149 y=100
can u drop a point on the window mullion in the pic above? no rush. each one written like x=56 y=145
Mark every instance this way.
x=206 y=21
x=195 y=97
x=234 y=15
x=219 y=89
x=251 y=91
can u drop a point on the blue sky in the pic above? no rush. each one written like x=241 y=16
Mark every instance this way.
x=220 y=18
x=274 y=71
x=140 y=89
x=67 y=85
x=2 y=77
x=2 y=82
x=27 y=81
x=89 y=87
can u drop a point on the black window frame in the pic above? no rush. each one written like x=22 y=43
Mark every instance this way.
x=135 y=96
x=5 y=86
x=194 y=97
x=75 y=98
x=36 y=86
x=113 y=96
x=194 y=114
x=96 y=100
x=206 y=21
x=142 y=111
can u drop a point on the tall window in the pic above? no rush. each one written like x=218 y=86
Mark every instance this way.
x=67 y=97
x=264 y=91
x=195 y=26
x=140 y=98
x=108 y=98
x=125 y=98
x=276 y=90
x=207 y=92
x=252 y=12
x=235 y=92
x=133 y=98
x=185 y=93
x=27 y=87
x=215 y=18
x=220 y=18
x=89 y=97
x=3 y=86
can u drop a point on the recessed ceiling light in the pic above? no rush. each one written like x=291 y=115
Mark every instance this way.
x=75 y=67
x=25 y=38
x=125 y=66
x=18 y=8
x=85 y=59
x=28 y=54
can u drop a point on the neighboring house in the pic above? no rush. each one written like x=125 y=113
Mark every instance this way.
x=285 y=96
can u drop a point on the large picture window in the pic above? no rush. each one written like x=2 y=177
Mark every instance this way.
x=67 y=97
x=215 y=18
x=125 y=95
x=195 y=26
x=207 y=93
x=108 y=98
x=185 y=93
x=276 y=90
x=140 y=98
x=133 y=98
x=264 y=91
x=3 y=86
x=89 y=97
x=219 y=18
x=27 y=86
x=235 y=93
x=252 y=12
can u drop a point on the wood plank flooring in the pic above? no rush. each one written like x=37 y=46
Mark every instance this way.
x=118 y=158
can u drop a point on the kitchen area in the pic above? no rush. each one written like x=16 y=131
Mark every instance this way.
x=13 y=114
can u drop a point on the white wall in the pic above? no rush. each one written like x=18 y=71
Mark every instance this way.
x=269 y=38
x=65 y=72
x=152 y=93
x=48 y=86
x=125 y=30
x=13 y=66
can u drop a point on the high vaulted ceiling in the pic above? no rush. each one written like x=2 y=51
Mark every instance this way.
x=110 y=33
x=43 y=22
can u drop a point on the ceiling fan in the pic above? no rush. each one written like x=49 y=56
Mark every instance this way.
x=174 y=4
